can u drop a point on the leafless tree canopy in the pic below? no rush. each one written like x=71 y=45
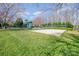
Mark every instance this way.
x=60 y=15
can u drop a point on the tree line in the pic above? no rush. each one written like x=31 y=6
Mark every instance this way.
x=17 y=23
x=59 y=15
x=10 y=12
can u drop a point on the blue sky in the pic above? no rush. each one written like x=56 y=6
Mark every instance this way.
x=32 y=10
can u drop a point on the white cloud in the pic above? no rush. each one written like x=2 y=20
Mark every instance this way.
x=26 y=13
x=23 y=13
x=37 y=13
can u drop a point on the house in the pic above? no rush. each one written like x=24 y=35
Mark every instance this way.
x=29 y=25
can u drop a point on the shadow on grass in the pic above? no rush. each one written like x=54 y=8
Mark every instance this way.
x=66 y=48
x=70 y=45
x=12 y=29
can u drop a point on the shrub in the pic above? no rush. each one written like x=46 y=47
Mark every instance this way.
x=19 y=22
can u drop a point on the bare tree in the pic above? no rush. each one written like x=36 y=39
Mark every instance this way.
x=9 y=12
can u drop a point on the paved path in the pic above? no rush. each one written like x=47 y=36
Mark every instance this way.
x=50 y=31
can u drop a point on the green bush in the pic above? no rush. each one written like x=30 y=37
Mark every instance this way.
x=58 y=24
x=19 y=22
x=69 y=25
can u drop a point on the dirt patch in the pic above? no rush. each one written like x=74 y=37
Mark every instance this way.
x=50 y=31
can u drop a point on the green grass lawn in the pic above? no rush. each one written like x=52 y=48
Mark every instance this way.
x=24 y=42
